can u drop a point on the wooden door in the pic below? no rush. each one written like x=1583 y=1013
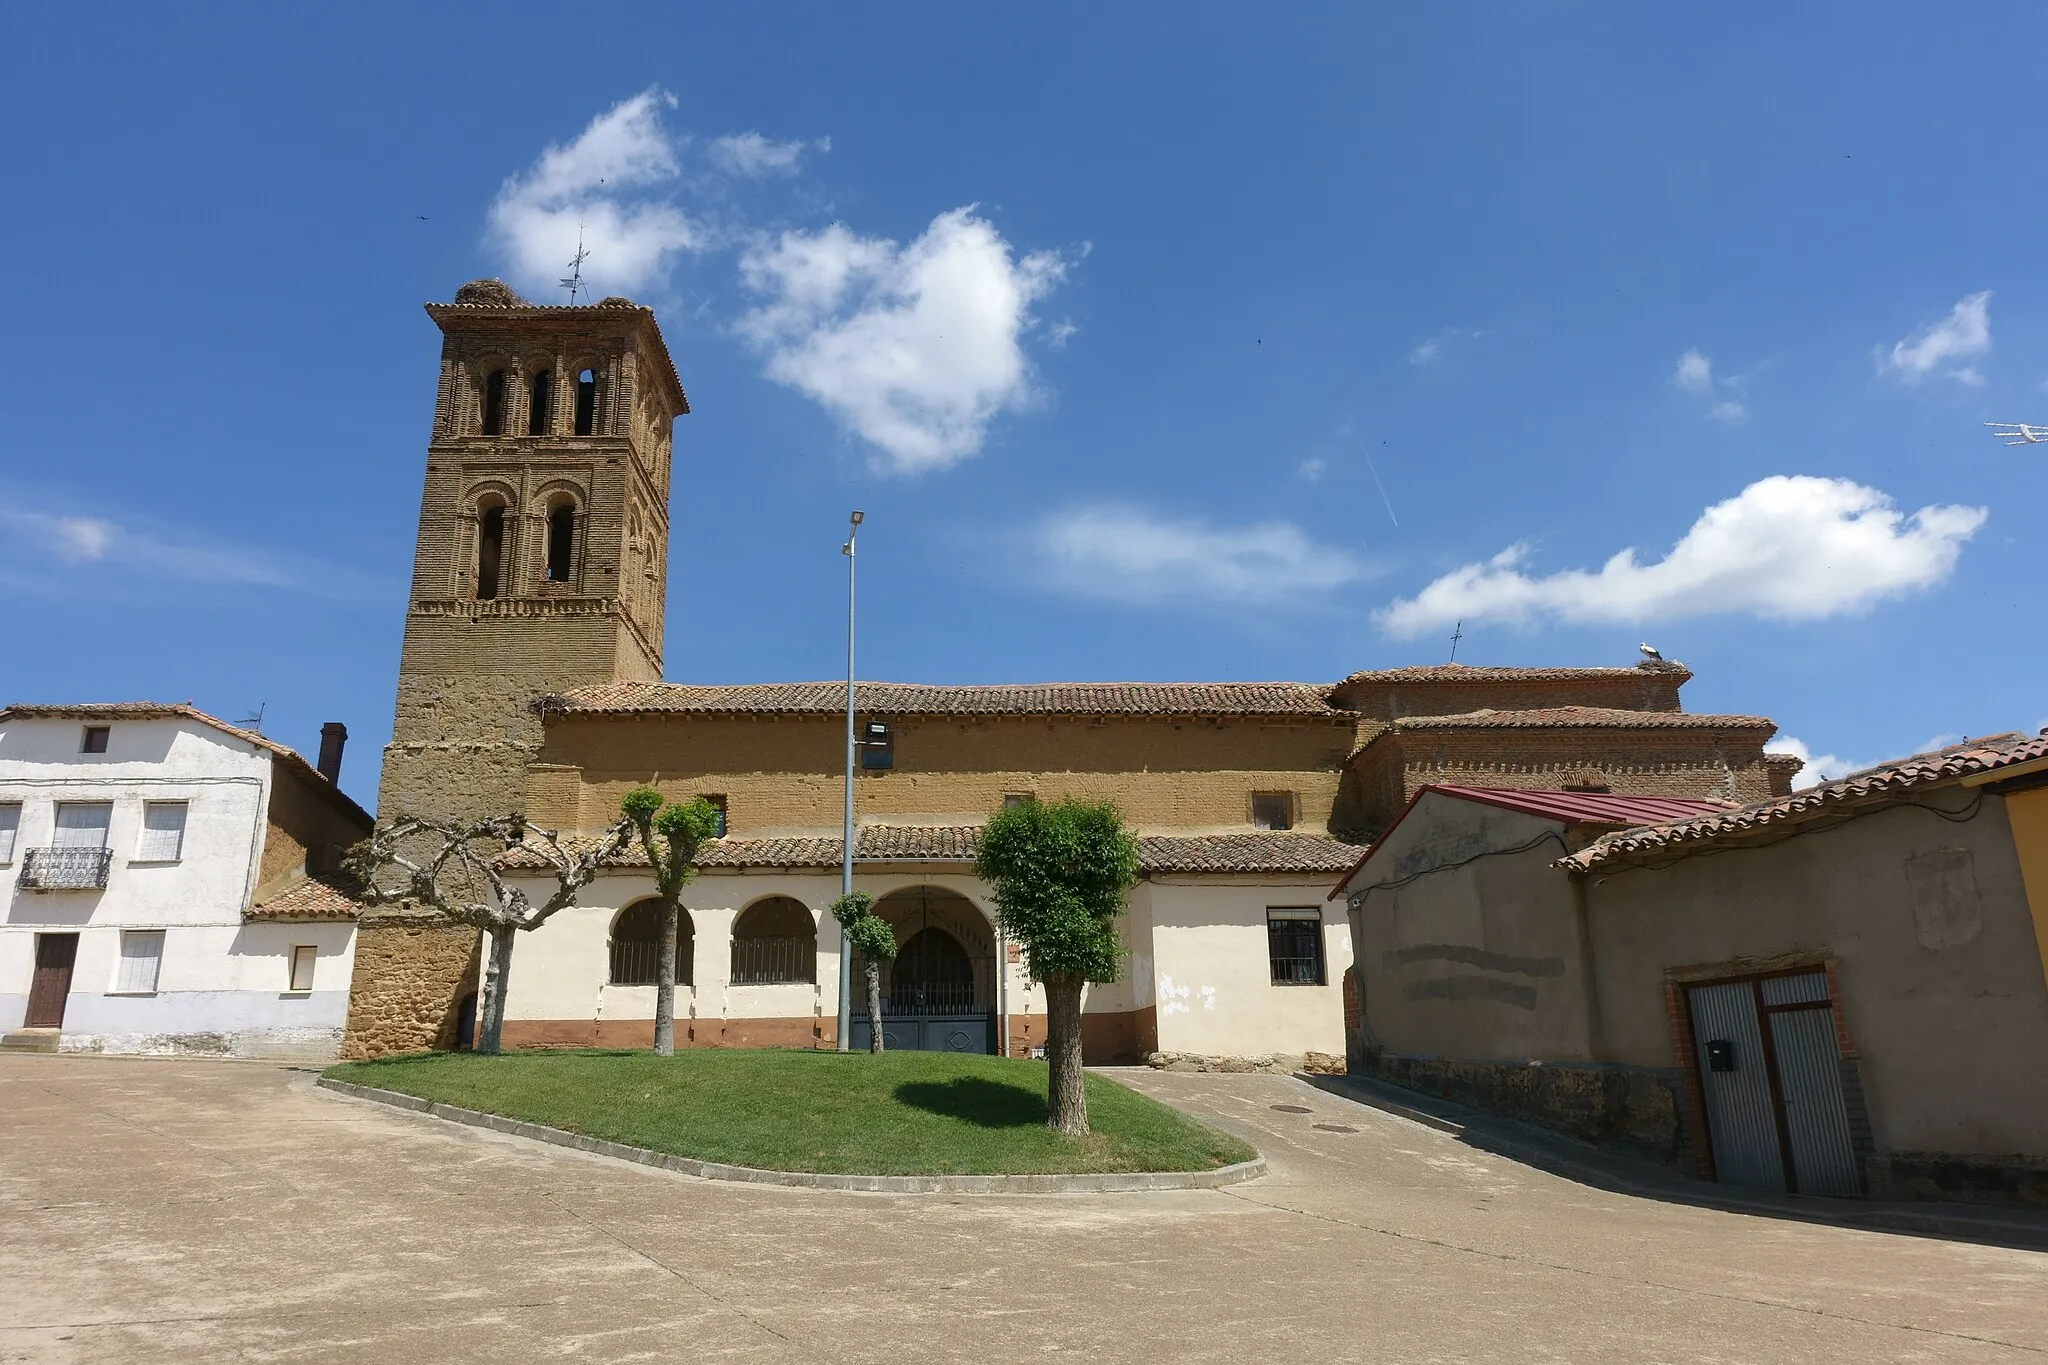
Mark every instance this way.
x=55 y=954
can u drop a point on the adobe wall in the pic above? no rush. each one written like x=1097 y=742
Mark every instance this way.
x=1636 y=689
x=303 y=818
x=1678 y=762
x=786 y=772
x=1942 y=996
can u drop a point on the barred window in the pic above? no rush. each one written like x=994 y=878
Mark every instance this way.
x=775 y=942
x=1294 y=943
x=636 y=946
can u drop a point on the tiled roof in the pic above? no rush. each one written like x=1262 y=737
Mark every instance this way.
x=1872 y=786
x=1262 y=851
x=176 y=710
x=921 y=699
x=310 y=898
x=1582 y=717
x=1592 y=808
x=1469 y=673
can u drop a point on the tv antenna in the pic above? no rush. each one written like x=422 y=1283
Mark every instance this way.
x=573 y=282
x=2018 y=433
x=254 y=720
x=1457 y=634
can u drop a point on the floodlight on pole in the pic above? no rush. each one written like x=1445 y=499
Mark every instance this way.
x=2018 y=433
x=846 y=828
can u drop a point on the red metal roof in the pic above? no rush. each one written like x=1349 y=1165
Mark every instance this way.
x=1589 y=808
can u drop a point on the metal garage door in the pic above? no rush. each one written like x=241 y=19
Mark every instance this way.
x=1771 y=1073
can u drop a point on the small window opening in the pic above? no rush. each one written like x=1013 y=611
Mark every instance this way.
x=490 y=551
x=96 y=739
x=1017 y=799
x=1294 y=943
x=1273 y=810
x=561 y=542
x=717 y=803
x=304 y=956
x=543 y=405
x=494 y=404
x=586 y=403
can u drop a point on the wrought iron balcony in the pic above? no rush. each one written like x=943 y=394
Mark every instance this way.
x=65 y=869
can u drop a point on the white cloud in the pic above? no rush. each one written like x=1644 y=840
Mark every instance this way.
x=758 y=157
x=1311 y=470
x=1432 y=350
x=1815 y=768
x=84 y=544
x=1059 y=334
x=916 y=348
x=1695 y=373
x=1125 y=554
x=1786 y=547
x=603 y=185
x=1948 y=346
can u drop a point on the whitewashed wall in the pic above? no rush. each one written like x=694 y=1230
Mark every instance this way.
x=223 y=986
x=1198 y=955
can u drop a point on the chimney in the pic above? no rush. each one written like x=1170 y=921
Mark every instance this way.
x=333 y=735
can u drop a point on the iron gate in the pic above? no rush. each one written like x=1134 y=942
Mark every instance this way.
x=939 y=995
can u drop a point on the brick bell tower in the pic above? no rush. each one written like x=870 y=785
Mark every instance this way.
x=540 y=565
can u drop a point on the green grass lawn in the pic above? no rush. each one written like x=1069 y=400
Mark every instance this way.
x=902 y=1113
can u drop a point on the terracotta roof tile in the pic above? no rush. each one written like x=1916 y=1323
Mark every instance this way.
x=920 y=699
x=1262 y=851
x=1582 y=717
x=1870 y=787
x=1471 y=673
x=1593 y=808
x=310 y=898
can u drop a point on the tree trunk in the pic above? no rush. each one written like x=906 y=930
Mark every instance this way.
x=665 y=986
x=874 y=1007
x=490 y=1024
x=1066 y=1102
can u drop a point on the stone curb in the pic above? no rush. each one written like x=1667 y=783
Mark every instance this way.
x=1103 y=1183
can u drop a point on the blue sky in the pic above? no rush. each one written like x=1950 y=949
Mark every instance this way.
x=1161 y=342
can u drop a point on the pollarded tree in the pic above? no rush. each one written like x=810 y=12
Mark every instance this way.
x=870 y=936
x=671 y=834
x=1059 y=872
x=459 y=868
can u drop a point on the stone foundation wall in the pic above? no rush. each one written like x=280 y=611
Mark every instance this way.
x=1273 y=1063
x=411 y=976
x=2014 y=1181
x=1618 y=1106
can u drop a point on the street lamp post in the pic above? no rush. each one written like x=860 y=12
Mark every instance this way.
x=846 y=828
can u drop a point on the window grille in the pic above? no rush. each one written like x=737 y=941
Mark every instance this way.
x=142 y=954
x=303 y=957
x=163 y=832
x=636 y=946
x=775 y=943
x=1273 y=810
x=1294 y=943
x=10 y=828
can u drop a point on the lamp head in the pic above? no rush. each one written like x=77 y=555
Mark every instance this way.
x=859 y=517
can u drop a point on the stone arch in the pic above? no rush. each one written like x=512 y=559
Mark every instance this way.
x=775 y=943
x=945 y=953
x=636 y=945
x=589 y=386
x=492 y=527
x=564 y=531
x=540 y=401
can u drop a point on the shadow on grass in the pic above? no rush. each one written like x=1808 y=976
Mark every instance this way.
x=983 y=1103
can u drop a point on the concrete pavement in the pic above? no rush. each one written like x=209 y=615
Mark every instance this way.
x=169 y=1210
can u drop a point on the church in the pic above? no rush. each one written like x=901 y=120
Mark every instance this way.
x=531 y=679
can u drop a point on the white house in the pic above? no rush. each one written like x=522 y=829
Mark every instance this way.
x=166 y=884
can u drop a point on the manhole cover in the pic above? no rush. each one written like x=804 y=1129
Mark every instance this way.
x=1333 y=1127
x=1290 y=1109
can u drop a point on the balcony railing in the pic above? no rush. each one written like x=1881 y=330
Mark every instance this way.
x=65 y=869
